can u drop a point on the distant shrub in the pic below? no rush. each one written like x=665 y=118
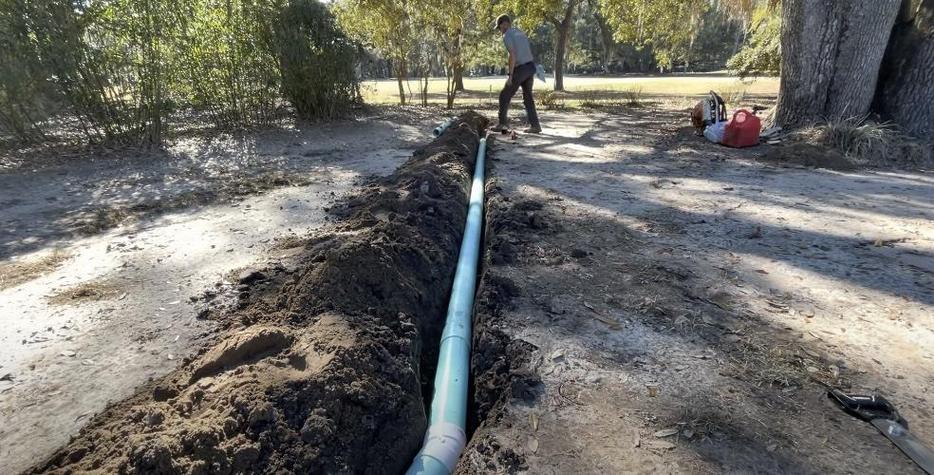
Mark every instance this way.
x=114 y=71
x=550 y=100
x=633 y=97
x=317 y=61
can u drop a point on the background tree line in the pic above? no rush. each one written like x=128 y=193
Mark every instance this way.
x=576 y=36
x=116 y=70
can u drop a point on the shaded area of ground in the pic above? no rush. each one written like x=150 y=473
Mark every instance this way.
x=56 y=195
x=686 y=303
x=98 y=316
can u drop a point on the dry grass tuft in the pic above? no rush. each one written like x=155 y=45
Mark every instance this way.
x=85 y=292
x=550 y=100
x=632 y=97
x=15 y=273
x=766 y=363
x=733 y=97
x=868 y=143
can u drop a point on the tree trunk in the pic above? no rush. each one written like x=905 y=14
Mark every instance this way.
x=561 y=46
x=831 y=55
x=459 y=79
x=606 y=38
x=906 y=84
x=400 y=73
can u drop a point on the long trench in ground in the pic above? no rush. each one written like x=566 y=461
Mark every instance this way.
x=326 y=365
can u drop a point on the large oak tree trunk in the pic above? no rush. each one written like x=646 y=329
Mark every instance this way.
x=906 y=83
x=831 y=54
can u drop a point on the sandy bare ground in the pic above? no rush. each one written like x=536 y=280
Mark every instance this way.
x=683 y=302
x=687 y=301
x=108 y=261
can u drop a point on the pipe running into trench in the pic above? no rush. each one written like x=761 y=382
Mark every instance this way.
x=444 y=126
x=446 y=436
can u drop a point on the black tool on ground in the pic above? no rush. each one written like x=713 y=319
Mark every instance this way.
x=879 y=412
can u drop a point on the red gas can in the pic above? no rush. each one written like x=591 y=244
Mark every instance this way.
x=743 y=130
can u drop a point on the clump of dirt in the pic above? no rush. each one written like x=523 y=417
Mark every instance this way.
x=325 y=374
x=17 y=272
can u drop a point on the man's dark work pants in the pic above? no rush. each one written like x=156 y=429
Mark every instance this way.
x=524 y=76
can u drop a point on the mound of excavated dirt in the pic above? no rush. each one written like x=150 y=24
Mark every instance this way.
x=325 y=376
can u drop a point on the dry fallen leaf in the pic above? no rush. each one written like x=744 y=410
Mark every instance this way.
x=666 y=433
x=557 y=355
x=533 y=421
x=533 y=445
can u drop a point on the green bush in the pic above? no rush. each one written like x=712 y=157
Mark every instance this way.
x=317 y=61
x=116 y=69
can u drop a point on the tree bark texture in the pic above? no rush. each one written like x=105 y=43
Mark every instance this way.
x=906 y=82
x=831 y=55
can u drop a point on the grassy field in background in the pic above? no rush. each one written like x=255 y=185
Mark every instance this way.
x=588 y=89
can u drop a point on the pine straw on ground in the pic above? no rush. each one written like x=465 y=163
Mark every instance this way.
x=17 y=272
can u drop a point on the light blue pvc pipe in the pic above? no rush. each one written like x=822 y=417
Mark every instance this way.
x=444 y=126
x=446 y=438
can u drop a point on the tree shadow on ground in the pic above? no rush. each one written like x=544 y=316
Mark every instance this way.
x=629 y=186
x=648 y=294
x=102 y=190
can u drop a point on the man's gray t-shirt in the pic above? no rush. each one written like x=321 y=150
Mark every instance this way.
x=515 y=40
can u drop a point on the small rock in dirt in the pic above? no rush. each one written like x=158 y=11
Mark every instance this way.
x=152 y=456
x=317 y=428
x=231 y=426
x=246 y=455
x=666 y=433
x=155 y=418
x=755 y=234
x=578 y=253
x=68 y=354
x=262 y=413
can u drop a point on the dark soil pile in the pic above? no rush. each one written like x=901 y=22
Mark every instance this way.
x=324 y=375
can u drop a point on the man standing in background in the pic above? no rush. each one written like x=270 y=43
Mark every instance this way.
x=521 y=74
